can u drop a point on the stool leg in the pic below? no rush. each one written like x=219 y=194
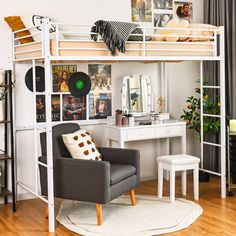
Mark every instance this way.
x=160 y=180
x=172 y=185
x=196 y=183
x=184 y=179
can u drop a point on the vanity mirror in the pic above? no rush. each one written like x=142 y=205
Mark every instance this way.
x=136 y=94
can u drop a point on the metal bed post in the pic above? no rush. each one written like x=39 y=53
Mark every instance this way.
x=35 y=128
x=47 y=63
x=201 y=114
x=222 y=114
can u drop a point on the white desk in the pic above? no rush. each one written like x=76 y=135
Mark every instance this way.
x=168 y=129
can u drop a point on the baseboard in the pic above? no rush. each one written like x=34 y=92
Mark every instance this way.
x=25 y=196
x=147 y=178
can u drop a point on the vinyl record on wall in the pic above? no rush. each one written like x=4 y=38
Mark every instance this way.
x=79 y=84
x=40 y=79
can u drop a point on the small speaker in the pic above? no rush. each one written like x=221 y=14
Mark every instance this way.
x=40 y=79
x=79 y=84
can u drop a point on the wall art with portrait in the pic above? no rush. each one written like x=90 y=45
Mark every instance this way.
x=163 y=4
x=160 y=12
x=61 y=75
x=141 y=10
x=100 y=96
x=100 y=105
x=73 y=108
x=100 y=75
x=161 y=19
x=183 y=10
x=41 y=108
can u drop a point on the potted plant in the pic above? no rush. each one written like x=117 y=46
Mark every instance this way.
x=211 y=125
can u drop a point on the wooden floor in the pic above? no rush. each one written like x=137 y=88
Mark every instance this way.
x=219 y=216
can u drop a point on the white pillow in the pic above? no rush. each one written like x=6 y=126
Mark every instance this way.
x=160 y=32
x=185 y=25
x=28 y=22
x=81 y=145
x=175 y=23
x=204 y=32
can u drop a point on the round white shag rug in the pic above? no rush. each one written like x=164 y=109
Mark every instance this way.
x=150 y=216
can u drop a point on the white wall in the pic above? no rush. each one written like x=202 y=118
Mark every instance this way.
x=182 y=76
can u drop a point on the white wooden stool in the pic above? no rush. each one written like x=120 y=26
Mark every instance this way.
x=173 y=163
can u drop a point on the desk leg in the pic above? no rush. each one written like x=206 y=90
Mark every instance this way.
x=184 y=182
x=183 y=142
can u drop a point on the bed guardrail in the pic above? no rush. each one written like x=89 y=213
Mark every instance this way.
x=75 y=40
x=30 y=50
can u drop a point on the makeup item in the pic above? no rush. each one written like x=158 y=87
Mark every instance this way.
x=118 y=117
x=125 y=120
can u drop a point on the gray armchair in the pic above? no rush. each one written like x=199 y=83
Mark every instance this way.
x=90 y=181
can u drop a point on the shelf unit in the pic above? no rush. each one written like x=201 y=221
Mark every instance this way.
x=8 y=152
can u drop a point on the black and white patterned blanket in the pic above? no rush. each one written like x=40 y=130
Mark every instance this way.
x=115 y=34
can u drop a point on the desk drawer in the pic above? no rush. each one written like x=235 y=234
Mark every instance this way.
x=169 y=131
x=140 y=134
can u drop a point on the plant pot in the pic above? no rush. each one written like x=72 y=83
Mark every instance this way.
x=204 y=177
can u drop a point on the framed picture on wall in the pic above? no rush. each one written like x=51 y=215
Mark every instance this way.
x=40 y=108
x=161 y=19
x=183 y=10
x=100 y=75
x=61 y=75
x=141 y=10
x=100 y=105
x=56 y=111
x=163 y=4
x=74 y=108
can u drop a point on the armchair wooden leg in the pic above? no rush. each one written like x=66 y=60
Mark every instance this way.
x=46 y=211
x=132 y=197
x=99 y=214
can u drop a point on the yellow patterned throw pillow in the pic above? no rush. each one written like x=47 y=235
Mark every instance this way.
x=81 y=145
x=15 y=23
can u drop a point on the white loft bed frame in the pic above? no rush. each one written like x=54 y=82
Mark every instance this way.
x=218 y=55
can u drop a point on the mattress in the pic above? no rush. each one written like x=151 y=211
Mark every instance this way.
x=75 y=48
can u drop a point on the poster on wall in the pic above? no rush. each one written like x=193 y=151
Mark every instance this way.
x=74 y=108
x=163 y=4
x=56 y=111
x=141 y=10
x=100 y=105
x=183 y=10
x=161 y=19
x=100 y=75
x=61 y=75
x=40 y=108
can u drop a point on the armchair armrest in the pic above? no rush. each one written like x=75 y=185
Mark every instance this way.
x=121 y=156
x=83 y=180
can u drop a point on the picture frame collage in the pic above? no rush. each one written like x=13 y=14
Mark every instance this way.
x=94 y=106
x=160 y=12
